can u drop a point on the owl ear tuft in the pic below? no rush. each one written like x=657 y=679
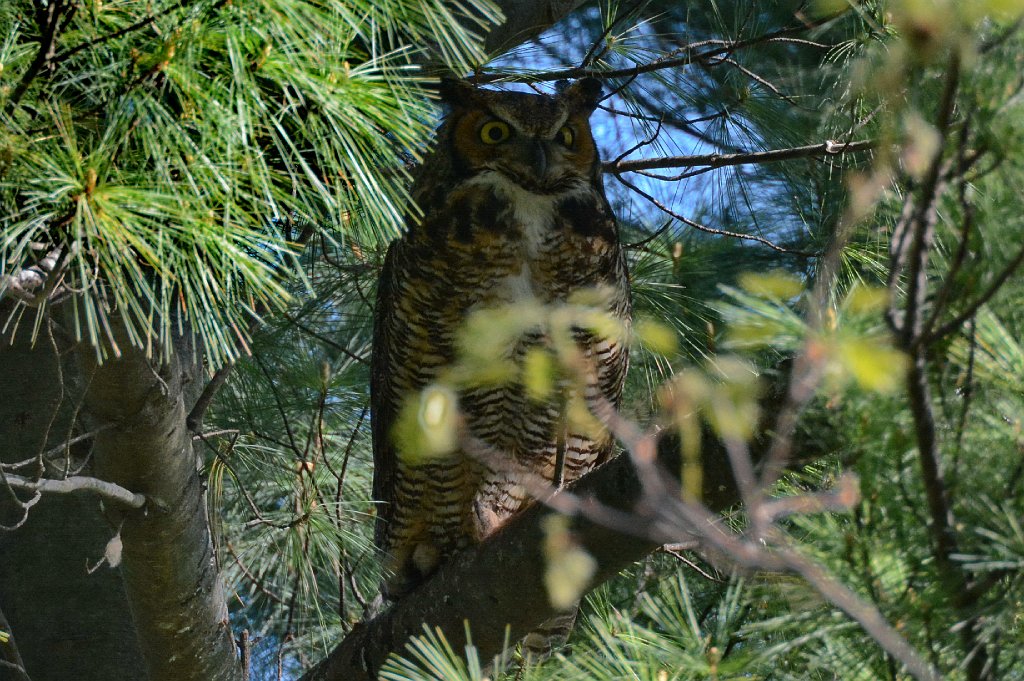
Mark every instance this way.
x=583 y=95
x=457 y=92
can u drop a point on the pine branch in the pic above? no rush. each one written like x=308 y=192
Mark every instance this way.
x=138 y=25
x=862 y=612
x=48 y=21
x=682 y=56
x=972 y=309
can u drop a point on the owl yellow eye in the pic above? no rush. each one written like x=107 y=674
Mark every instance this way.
x=566 y=136
x=495 y=132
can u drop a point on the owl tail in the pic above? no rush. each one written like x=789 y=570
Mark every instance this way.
x=549 y=636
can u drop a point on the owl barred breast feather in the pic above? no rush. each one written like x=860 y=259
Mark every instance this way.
x=513 y=210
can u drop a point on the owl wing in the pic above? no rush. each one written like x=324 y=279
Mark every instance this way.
x=383 y=405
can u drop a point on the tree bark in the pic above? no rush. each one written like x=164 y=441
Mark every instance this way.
x=161 y=614
x=498 y=586
x=59 y=613
x=168 y=565
x=167 y=578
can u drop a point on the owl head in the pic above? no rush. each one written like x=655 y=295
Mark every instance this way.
x=541 y=142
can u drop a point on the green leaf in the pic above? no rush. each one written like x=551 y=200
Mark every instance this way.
x=774 y=285
x=568 y=568
x=427 y=425
x=874 y=365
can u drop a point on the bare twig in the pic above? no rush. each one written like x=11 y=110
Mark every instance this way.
x=710 y=230
x=595 y=50
x=194 y=420
x=340 y=475
x=865 y=614
x=142 y=23
x=53 y=451
x=253 y=579
x=258 y=518
x=105 y=490
x=38 y=284
x=285 y=421
x=676 y=552
x=972 y=309
x=686 y=125
x=829 y=148
x=648 y=239
x=650 y=139
x=844 y=497
x=682 y=56
x=757 y=79
x=325 y=340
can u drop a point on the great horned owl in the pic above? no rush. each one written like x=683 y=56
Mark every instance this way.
x=513 y=209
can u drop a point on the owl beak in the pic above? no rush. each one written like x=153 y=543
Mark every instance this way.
x=538 y=158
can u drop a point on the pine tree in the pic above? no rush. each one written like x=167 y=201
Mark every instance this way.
x=819 y=201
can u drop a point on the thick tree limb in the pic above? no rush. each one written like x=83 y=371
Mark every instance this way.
x=515 y=553
x=167 y=562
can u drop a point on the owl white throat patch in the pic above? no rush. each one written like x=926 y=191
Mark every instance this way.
x=534 y=212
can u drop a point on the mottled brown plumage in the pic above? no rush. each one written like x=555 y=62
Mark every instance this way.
x=513 y=211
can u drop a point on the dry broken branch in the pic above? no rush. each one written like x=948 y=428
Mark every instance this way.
x=105 y=490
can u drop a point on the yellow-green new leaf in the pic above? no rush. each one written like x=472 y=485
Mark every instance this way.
x=569 y=568
x=427 y=425
x=874 y=365
x=774 y=285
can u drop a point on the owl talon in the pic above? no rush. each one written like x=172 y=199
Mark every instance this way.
x=425 y=558
x=418 y=565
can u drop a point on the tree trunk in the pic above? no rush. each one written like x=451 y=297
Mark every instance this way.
x=505 y=575
x=60 y=614
x=161 y=615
